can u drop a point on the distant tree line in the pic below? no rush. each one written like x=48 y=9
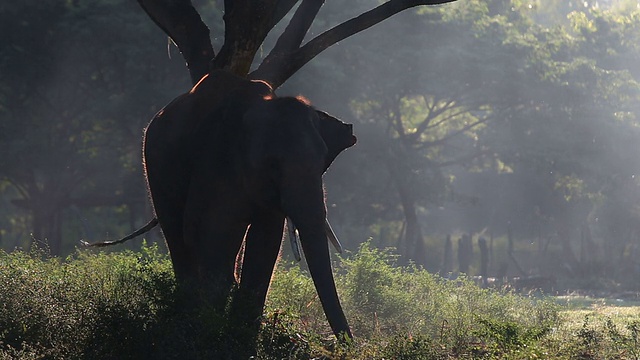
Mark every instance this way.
x=477 y=118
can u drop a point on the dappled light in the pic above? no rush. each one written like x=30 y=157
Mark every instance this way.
x=497 y=156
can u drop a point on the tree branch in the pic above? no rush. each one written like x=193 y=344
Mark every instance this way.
x=463 y=159
x=282 y=8
x=277 y=72
x=181 y=21
x=431 y=115
x=295 y=32
x=455 y=133
x=20 y=188
x=396 y=117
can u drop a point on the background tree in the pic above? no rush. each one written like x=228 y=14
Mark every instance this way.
x=71 y=113
x=530 y=166
x=554 y=156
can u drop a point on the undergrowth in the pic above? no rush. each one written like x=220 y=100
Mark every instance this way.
x=126 y=305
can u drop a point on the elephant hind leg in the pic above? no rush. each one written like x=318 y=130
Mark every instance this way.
x=181 y=258
x=169 y=208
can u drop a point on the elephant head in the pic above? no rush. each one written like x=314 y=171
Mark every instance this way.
x=289 y=147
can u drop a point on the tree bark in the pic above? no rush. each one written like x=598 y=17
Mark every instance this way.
x=414 y=239
x=484 y=260
x=47 y=226
x=569 y=257
x=292 y=37
x=447 y=257
x=465 y=254
x=183 y=24
x=246 y=25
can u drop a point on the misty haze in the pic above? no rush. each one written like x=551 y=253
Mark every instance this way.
x=496 y=139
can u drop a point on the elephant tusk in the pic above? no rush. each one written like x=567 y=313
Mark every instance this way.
x=295 y=240
x=332 y=236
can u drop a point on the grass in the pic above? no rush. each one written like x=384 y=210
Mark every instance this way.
x=126 y=306
x=599 y=329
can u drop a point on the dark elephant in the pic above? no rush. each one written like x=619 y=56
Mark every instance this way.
x=227 y=162
x=169 y=145
x=252 y=173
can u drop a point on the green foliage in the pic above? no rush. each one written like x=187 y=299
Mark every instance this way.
x=389 y=300
x=478 y=114
x=126 y=305
x=410 y=313
x=80 y=79
x=87 y=304
x=600 y=337
x=408 y=348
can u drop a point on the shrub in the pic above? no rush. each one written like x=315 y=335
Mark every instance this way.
x=126 y=305
x=88 y=304
x=416 y=309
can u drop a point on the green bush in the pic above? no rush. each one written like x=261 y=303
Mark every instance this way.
x=410 y=312
x=126 y=306
x=89 y=304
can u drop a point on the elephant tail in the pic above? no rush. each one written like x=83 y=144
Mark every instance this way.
x=150 y=225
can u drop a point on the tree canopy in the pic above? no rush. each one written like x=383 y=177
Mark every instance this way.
x=480 y=117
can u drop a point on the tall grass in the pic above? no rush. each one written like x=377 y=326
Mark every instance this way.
x=126 y=306
x=405 y=312
x=89 y=305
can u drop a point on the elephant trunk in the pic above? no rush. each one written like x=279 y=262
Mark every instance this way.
x=307 y=210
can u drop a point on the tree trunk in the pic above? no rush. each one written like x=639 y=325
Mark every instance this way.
x=447 y=259
x=414 y=240
x=484 y=260
x=564 y=236
x=247 y=24
x=465 y=254
x=47 y=226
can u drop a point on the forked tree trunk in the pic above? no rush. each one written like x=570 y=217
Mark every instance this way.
x=247 y=23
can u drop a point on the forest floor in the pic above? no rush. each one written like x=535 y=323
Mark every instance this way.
x=596 y=328
x=577 y=308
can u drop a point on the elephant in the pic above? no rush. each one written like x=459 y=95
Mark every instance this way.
x=227 y=162
x=168 y=150
x=259 y=170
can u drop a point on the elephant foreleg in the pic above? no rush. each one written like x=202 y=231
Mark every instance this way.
x=263 y=242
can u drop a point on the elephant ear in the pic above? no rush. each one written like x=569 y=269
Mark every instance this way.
x=337 y=135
